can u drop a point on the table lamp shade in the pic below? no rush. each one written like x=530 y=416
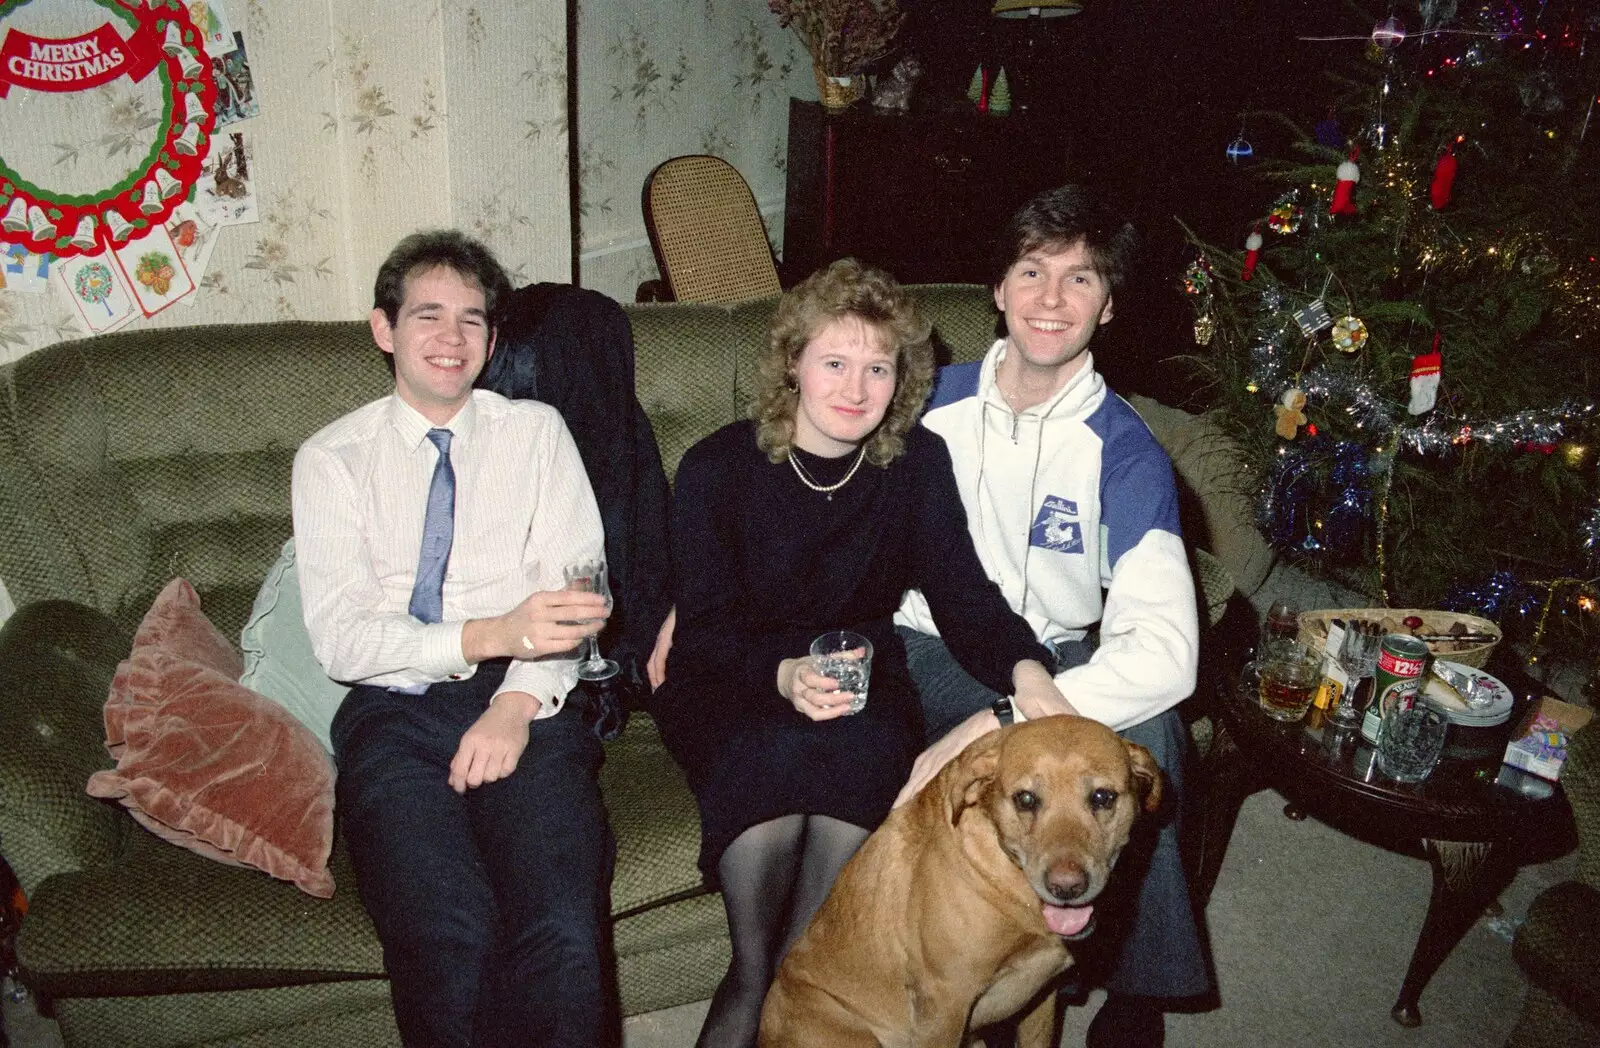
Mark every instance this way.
x=1035 y=8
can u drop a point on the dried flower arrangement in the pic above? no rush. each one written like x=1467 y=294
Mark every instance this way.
x=843 y=36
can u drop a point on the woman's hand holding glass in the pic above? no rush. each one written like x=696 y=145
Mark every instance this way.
x=811 y=693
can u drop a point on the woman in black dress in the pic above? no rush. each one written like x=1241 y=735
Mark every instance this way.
x=815 y=515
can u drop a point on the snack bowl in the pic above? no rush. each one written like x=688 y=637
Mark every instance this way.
x=1314 y=630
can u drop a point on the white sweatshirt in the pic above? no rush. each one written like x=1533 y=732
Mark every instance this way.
x=1074 y=512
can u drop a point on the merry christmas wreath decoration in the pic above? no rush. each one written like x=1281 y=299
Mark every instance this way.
x=163 y=40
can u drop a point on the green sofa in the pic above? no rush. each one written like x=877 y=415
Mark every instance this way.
x=131 y=458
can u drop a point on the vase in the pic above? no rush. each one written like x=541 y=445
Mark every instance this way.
x=835 y=92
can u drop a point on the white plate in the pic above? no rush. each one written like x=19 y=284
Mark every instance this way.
x=1496 y=713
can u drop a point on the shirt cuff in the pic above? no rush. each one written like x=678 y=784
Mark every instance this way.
x=549 y=682
x=439 y=650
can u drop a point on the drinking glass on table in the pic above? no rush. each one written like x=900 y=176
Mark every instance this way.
x=589 y=576
x=1282 y=626
x=1411 y=741
x=1289 y=673
x=845 y=656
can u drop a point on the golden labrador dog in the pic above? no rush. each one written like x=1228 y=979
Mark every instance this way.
x=955 y=913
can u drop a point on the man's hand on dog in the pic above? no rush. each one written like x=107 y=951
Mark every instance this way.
x=930 y=760
x=491 y=748
x=810 y=692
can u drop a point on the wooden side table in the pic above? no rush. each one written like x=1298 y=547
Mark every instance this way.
x=1468 y=815
x=919 y=194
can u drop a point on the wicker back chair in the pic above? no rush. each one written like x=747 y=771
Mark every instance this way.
x=709 y=241
x=1559 y=946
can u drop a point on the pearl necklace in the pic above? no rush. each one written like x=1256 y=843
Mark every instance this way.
x=828 y=490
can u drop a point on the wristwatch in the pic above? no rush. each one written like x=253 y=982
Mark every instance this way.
x=1003 y=711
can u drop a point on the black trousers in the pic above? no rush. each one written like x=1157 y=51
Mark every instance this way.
x=493 y=906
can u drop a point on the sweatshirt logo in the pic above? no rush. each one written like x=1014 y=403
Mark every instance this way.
x=1054 y=528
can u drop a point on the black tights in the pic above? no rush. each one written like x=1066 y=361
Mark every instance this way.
x=774 y=878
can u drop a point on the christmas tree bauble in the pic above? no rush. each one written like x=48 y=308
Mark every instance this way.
x=1390 y=32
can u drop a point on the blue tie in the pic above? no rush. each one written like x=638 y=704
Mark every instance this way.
x=438 y=533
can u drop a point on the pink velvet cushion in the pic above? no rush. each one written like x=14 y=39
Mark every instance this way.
x=208 y=764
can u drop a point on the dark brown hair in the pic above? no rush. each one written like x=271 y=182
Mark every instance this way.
x=430 y=249
x=1058 y=218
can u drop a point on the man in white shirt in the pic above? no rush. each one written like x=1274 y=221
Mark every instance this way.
x=432 y=528
x=1074 y=512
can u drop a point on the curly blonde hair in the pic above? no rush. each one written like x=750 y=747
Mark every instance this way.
x=845 y=288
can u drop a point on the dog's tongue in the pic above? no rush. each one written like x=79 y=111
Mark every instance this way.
x=1067 y=920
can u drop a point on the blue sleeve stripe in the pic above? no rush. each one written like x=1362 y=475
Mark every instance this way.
x=1137 y=492
x=954 y=382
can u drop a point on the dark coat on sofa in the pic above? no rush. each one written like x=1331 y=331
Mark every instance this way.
x=573 y=349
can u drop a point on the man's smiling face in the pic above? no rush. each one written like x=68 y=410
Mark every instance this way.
x=1053 y=300
x=440 y=341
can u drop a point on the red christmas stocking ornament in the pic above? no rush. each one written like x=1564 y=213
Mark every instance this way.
x=1444 y=177
x=1344 y=194
x=1425 y=372
x=1252 y=253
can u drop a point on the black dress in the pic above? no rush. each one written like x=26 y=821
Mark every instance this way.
x=763 y=565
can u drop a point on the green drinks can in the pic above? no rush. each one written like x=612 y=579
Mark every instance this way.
x=1396 y=681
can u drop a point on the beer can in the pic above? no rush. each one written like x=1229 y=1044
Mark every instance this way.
x=1397 y=680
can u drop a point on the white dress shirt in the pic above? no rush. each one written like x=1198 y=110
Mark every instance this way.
x=523 y=511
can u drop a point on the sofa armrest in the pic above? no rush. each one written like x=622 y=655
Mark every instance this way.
x=57 y=659
x=1208 y=464
x=1559 y=946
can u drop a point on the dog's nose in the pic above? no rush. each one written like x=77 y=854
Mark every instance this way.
x=1067 y=882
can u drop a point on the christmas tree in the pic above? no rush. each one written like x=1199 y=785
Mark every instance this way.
x=1439 y=199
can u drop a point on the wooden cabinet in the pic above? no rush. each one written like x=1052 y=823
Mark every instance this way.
x=921 y=195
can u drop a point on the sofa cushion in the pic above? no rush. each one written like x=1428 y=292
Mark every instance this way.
x=148 y=924
x=278 y=660
x=683 y=367
x=209 y=765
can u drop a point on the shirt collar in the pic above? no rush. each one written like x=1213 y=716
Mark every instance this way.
x=413 y=427
x=1079 y=390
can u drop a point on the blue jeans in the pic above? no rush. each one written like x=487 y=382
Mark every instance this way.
x=493 y=906
x=1147 y=941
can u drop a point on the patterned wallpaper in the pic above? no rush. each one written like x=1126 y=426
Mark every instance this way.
x=662 y=78
x=374 y=119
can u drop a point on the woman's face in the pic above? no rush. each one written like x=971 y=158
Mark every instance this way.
x=846 y=379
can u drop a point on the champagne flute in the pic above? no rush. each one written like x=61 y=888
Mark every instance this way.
x=589 y=576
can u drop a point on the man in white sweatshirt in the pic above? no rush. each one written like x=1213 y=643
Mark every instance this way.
x=1073 y=509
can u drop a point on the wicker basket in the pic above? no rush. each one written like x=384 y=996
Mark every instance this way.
x=1314 y=629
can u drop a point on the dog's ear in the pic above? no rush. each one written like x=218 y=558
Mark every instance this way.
x=974 y=769
x=1146 y=775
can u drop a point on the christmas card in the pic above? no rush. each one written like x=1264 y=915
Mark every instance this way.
x=211 y=18
x=225 y=194
x=22 y=270
x=154 y=271
x=236 y=89
x=94 y=285
x=194 y=238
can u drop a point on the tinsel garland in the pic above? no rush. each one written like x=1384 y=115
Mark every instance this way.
x=1504 y=594
x=1288 y=489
